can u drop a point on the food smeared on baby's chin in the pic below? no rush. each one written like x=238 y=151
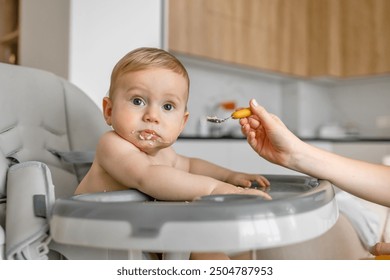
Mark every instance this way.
x=150 y=136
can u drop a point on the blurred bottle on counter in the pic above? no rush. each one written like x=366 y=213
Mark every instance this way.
x=224 y=109
x=203 y=127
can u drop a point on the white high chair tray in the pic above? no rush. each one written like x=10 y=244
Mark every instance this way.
x=302 y=208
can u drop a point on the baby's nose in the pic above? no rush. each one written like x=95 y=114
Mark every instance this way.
x=151 y=115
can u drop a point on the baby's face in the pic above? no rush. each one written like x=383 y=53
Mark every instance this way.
x=148 y=108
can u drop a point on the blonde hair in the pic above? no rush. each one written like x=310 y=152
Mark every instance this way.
x=144 y=58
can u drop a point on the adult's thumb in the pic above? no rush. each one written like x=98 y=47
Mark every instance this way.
x=259 y=111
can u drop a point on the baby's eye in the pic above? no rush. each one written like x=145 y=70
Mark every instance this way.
x=168 y=107
x=138 y=101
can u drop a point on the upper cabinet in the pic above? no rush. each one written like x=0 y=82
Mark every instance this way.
x=306 y=38
x=9 y=30
x=359 y=37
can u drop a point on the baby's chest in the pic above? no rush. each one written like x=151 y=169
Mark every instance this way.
x=165 y=159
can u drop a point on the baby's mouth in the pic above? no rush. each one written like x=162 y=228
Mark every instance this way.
x=148 y=135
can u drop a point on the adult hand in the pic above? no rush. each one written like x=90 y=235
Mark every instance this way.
x=268 y=135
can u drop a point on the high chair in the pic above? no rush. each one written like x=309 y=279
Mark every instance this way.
x=48 y=133
x=45 y=121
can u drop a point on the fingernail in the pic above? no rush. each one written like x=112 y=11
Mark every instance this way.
x=254 y=103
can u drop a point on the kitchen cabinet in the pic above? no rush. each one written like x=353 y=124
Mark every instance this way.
x=235 y=154
x=306 y=38
x=370 y=151
x=359 y=37
x=9 y=30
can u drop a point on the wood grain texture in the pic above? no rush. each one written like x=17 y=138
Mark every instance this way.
x=360 y=37
x=298 y=37
x=8 y=30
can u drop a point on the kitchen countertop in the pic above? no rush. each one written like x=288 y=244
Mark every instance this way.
x=306 y=139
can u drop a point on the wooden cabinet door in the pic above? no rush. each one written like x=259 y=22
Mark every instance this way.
x=298 y=37
x=360 y=37
x=9 y=31
x=265 y=34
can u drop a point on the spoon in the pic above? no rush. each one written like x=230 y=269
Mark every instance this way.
x=239 y=114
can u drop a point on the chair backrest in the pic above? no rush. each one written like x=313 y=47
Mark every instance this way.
x=42 y=113
x=42 y=118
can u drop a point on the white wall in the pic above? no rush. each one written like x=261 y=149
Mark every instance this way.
x=82 y=40
x=313 y=106
x=364 y=103
x=211 y=83
x=102 y=31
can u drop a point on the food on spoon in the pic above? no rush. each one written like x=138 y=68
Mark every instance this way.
x=243 y=113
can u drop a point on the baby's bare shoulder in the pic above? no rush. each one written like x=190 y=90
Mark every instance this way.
x=112 y=143
x=109 y=136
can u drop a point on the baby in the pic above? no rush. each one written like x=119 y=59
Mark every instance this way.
x=147 y=110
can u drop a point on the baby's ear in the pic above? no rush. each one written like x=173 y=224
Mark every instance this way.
x=107 y=109
x=185 y=119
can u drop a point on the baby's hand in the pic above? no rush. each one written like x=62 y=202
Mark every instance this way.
x=254 y=192
x=245 y=180
x=223 y=188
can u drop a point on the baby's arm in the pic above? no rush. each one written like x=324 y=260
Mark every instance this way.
x=202 y=167
x=132 y=168
x=169 y=183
